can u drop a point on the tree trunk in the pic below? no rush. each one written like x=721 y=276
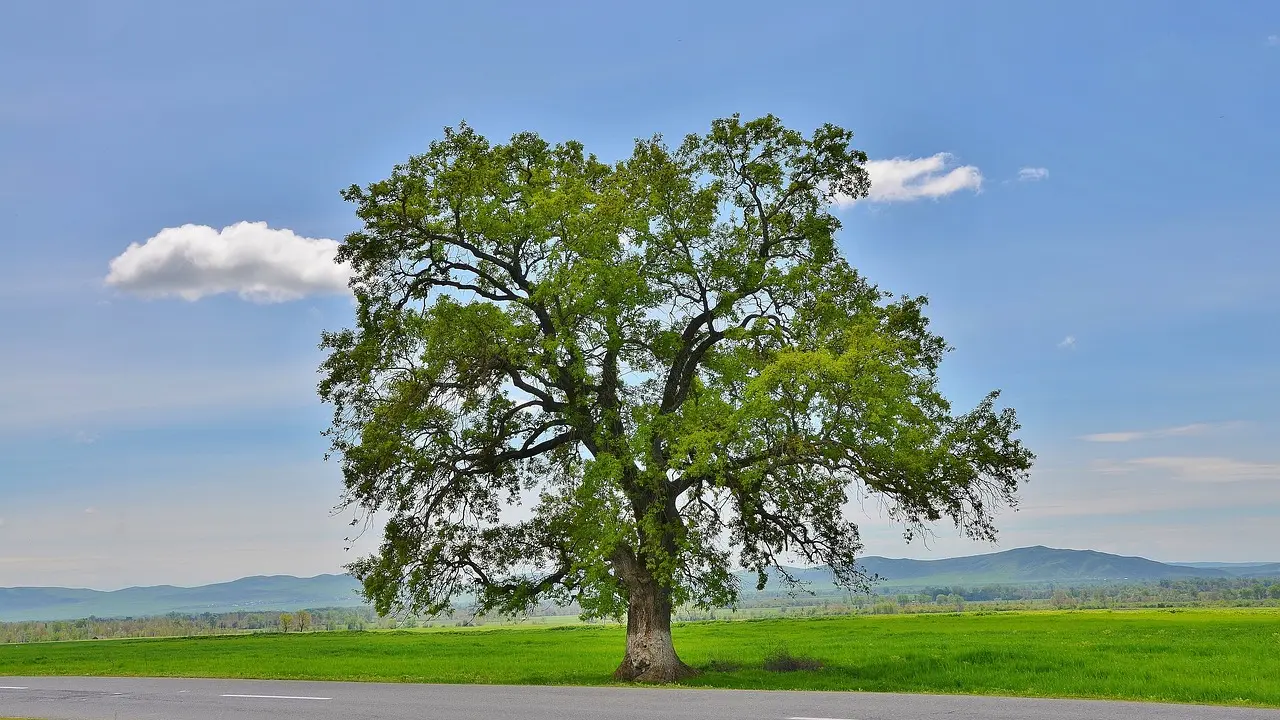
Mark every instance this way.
x=651 y=656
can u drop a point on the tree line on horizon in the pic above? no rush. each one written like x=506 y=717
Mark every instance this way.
x=1189 y=592
x=187 y=625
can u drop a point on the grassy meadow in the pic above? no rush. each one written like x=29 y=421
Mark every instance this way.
x=1196 y=656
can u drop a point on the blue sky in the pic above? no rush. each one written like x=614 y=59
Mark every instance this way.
x=1099 y=240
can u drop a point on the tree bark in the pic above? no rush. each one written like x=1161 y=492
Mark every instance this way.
x=651 y=656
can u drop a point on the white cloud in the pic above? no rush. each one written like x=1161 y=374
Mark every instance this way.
x=85 y=438
x=91 y=511
x=1197 y=469
x=1031 y=174
x=1273 y=40
x=904 y=179
x=256 y=262
x=1068 y=342
x=1131 y=435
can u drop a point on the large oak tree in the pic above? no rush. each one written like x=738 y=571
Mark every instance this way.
x=664 y=363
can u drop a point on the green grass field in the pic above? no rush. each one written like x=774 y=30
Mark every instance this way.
x=1197 y=656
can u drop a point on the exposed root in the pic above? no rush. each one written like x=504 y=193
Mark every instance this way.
x=653 y=673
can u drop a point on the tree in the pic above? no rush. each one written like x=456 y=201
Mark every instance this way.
x=304 y=620
x=286 y=621
x=661 y=362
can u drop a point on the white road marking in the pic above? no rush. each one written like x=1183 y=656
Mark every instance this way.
x=12 y=687
x=278 y=697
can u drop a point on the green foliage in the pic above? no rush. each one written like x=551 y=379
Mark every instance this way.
x=662 y=357
x=1228 y=657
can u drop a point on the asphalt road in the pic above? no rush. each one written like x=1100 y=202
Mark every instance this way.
x=180 y=699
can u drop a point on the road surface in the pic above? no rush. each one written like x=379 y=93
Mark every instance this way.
x=180 y=699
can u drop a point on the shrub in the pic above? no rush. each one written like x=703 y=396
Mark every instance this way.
x=783 y=661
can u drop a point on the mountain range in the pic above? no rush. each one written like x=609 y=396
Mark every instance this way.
x=276 y=592
x=1022 y=566
x=1036 y=565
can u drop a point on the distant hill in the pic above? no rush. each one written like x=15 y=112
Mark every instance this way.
x=1249 y=570
x=1225 y=565
x=1267 y=570
x=1023 y=566
x=1031 y=565
x=276 y=592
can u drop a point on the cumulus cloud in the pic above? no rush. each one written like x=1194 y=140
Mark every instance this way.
x=1068 y=342
x=1132 y=435
x=1032 y=174
x=1197 y=469
x=258 y=263
x=905 y=179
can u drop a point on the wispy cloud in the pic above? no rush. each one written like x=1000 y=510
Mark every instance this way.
x=289 y=528
x=1032 y=174
x=1273 y=40
x=1197 y=469
x=81 y=402
x=1068 y=342
x=258 y=263
x=1132 y=435
x=905 y=179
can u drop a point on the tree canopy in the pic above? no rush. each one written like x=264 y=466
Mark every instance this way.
x=612 y=383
